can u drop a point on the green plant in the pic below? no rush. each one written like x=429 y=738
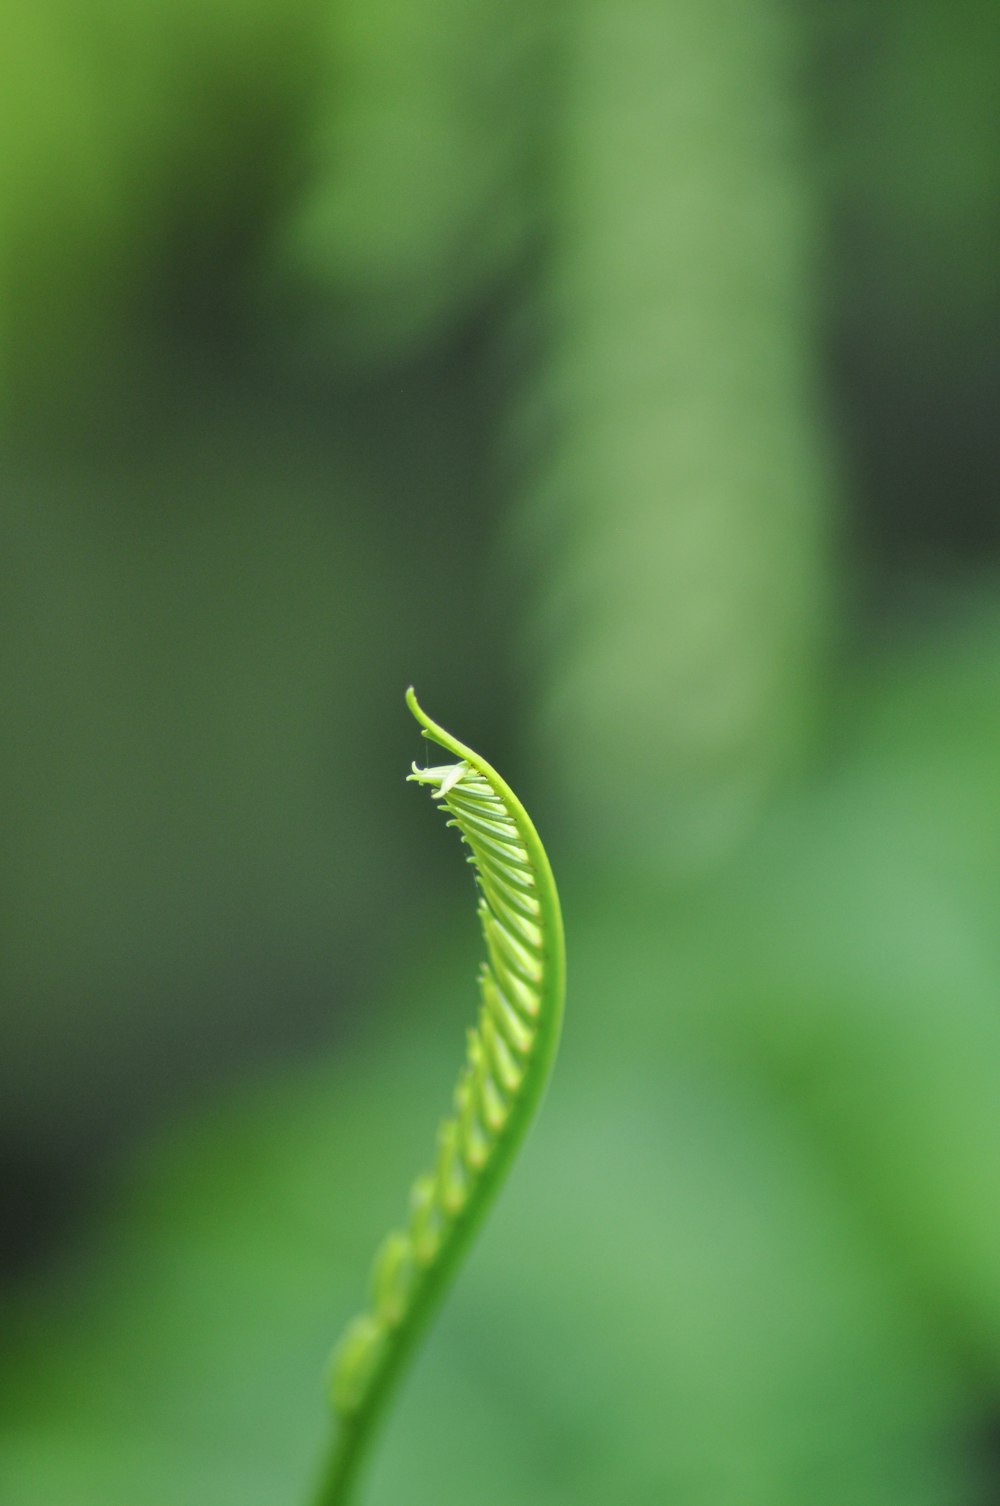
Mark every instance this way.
x=510 y=1054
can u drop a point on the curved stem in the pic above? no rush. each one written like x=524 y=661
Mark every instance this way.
x=506 y=1071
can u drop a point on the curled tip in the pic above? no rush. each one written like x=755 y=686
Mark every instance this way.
x=430 y=727
x=427 y=727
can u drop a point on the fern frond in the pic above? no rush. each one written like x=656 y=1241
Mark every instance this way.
x=508 y=1059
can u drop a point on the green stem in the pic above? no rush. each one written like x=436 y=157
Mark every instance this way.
x=497 y=1096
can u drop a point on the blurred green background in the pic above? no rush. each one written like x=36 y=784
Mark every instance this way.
x=624 y=375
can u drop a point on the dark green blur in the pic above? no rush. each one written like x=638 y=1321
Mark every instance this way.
x=623 y=375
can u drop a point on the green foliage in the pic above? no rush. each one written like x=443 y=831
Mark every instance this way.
x=675 y=484
x=117 y=138
x=416 y=201
x=510 y=1055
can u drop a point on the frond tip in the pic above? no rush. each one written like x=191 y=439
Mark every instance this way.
x=508 y=1059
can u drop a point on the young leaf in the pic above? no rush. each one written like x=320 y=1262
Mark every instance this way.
x=508 y=1060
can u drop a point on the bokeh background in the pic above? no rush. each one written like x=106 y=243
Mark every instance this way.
x=624 y=375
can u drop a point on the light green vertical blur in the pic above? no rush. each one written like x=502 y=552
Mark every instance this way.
x=679 y=495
